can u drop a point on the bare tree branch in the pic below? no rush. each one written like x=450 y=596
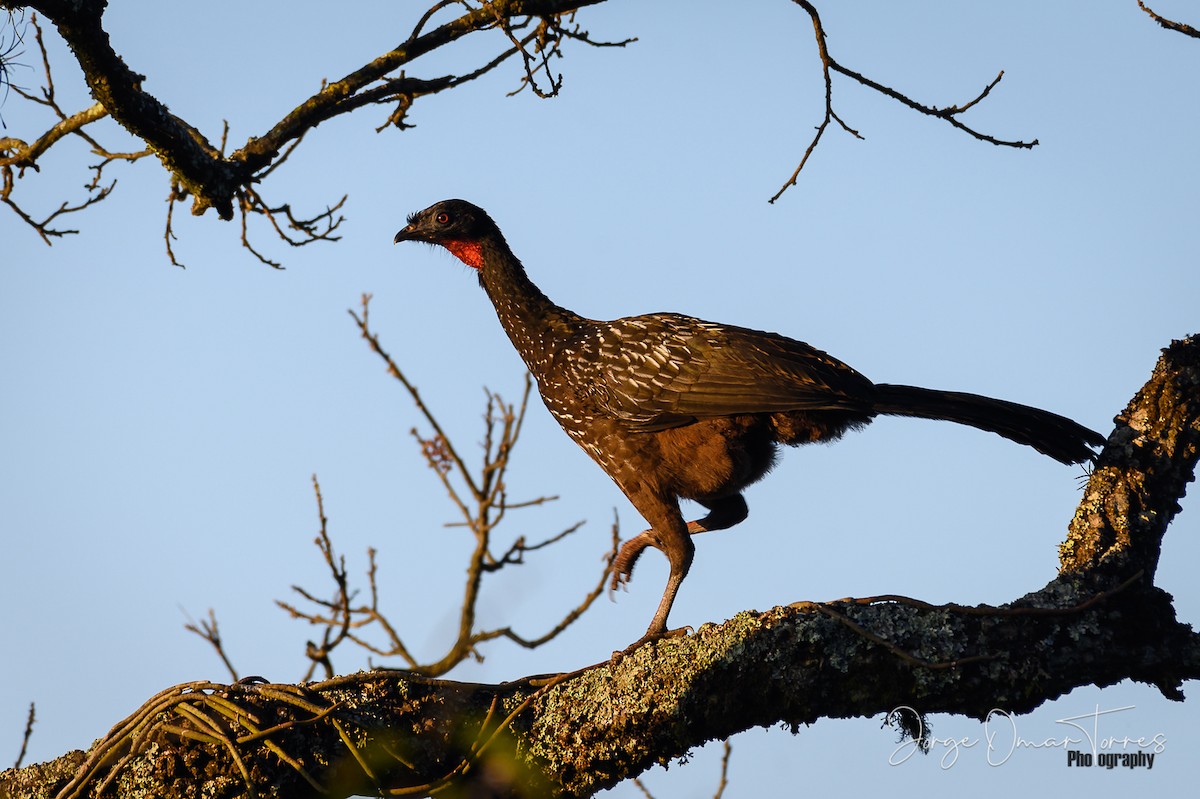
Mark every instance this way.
x=210 y=632
x=721 y=785
x=203 y=172
x=481 y=499
x=16 y=155
x=950 y=114
x=211 y=179
x=25 y=155
x=26 y=736
x=1171 y=25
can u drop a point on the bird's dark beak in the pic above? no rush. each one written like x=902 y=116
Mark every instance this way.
x=407 y=234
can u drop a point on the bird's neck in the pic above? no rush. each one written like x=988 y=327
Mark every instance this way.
x=535 y=325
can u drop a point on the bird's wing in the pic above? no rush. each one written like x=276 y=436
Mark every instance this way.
x=665 y=370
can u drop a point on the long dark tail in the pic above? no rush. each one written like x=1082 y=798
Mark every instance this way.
x=1048 y=433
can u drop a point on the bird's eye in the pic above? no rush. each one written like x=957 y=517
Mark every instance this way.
x=442 y=218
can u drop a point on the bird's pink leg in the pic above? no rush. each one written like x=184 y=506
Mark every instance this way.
x=673 y=537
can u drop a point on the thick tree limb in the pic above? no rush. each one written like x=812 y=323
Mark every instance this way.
x=1149 y=459
x=1101 y=621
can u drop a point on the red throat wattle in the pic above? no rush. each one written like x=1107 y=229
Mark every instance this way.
x=469 y=252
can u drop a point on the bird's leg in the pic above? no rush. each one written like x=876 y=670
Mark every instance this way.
x=678 y=547
x=723 y=513
x=668 y=533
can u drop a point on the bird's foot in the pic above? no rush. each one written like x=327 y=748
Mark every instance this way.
x=622 y=565
x=650 y=637
x=631 y=550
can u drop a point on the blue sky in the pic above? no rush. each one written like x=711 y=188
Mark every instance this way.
x=160 y=426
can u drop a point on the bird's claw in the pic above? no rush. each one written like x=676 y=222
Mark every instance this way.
x=623 y=563
x=650 y=636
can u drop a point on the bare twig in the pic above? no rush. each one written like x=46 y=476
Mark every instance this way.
x=25 y=738
x=481 y=499
x=318 y=228
x=26 y=155
x=571 y=615
x=1170 y=25
x=43 y=228
x=721 y=784
x=209 y=631
x=394 y=371
x=516 y=552
x=547 y=45
x=724 y=783
x=17 y=155
x=10 y=50
x=176 y=195
x=338 y=628
x=950 y=114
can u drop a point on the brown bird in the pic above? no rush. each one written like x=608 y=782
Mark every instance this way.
x=675 y=407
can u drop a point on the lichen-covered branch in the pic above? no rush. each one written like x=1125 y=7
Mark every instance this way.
x=575 y=734
x=1133 y=492
x=572 y=735
x=203 y=172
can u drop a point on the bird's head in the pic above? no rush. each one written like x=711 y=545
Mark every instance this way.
x=457 y=225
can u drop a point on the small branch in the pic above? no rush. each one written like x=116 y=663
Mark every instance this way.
x=949 y=114
x=724 y=783
x=547 y=46
x=209 y=631
x=343 y=95
x=481 y=512
x=829 y=65
x=26 y=155
x=572 y=615
x=16 y=155
x=394 y=371
x=335 y=632
x=1170 y=25
x=177 y=194
x=516 y=552
x=25 y=738
x=318 y=228
x=43 y=228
